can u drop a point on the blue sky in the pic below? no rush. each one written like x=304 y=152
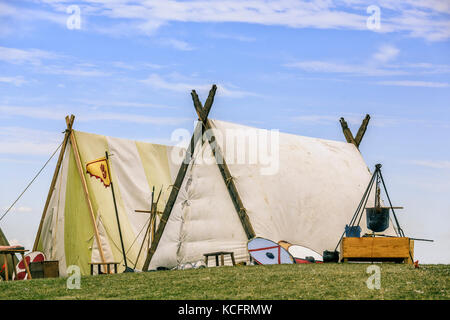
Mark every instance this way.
x=297 y=66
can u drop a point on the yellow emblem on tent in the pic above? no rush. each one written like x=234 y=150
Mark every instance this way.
x=99 y=169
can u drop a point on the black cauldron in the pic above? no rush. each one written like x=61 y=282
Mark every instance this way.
x=377 y=219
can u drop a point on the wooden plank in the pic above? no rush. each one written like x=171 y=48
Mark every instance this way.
x=375 y=247
x=81 y=173
x=69 y=124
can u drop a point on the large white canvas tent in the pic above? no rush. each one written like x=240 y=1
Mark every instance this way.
x=305 y=194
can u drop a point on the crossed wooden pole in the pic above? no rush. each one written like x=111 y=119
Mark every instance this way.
x=359 y=135
x=203 y=127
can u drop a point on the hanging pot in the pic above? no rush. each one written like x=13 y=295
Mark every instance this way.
x=377 y=219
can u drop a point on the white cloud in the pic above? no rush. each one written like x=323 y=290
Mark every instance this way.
x=77 y=71
x=121 y=104
x=36 y=58
x=415 y=83
x=386 y=53
x=237 y=37
x=21 y=209
x=17 y=140
x=343 y=68
x=32 y=112
x=17 y=81
x=131 y=118
x=86 y=115
x=432 y=164
x=158 y=82
x=356 y=120
x=426 y=20
x=20 y=56
x=178 y=44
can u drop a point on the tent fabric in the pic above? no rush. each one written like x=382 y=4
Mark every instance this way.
x=304 y=191
x=68 y=234
x=307 y=201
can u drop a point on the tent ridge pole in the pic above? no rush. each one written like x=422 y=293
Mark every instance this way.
x=69 y=123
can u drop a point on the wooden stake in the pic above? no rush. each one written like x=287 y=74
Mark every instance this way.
x=80 y=169
x=69 y=123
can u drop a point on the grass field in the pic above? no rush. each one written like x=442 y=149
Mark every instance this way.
x=307 y=281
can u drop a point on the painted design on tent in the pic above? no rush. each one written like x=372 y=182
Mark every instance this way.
x=99 y=169
x=265 y=251
x=31 y=257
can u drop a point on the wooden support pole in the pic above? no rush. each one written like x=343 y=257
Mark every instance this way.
x=362 y=130
x=81 y=173
x=179 y=179
x=69 y=123
x=347 y=133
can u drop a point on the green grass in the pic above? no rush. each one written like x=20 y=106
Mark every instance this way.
x=311 y=281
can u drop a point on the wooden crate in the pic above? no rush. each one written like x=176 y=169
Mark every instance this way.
x=396 y=249
x=44 y=269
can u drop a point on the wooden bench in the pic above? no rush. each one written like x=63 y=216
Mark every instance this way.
x=100 y=264
x=222 y=259
x=12 y=251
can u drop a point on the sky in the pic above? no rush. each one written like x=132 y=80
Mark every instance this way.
x=126 y=69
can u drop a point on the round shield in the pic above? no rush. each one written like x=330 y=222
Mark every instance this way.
x=285 y=244
x=265 y=251
x=304 y=255
x=31 y=257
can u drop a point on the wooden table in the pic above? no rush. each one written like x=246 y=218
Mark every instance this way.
x=221 y=254
x=100 y=264
x=12 y=252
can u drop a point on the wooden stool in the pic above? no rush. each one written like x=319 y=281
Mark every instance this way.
x=221 y=254
x=100 y=264
x=12 y=252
